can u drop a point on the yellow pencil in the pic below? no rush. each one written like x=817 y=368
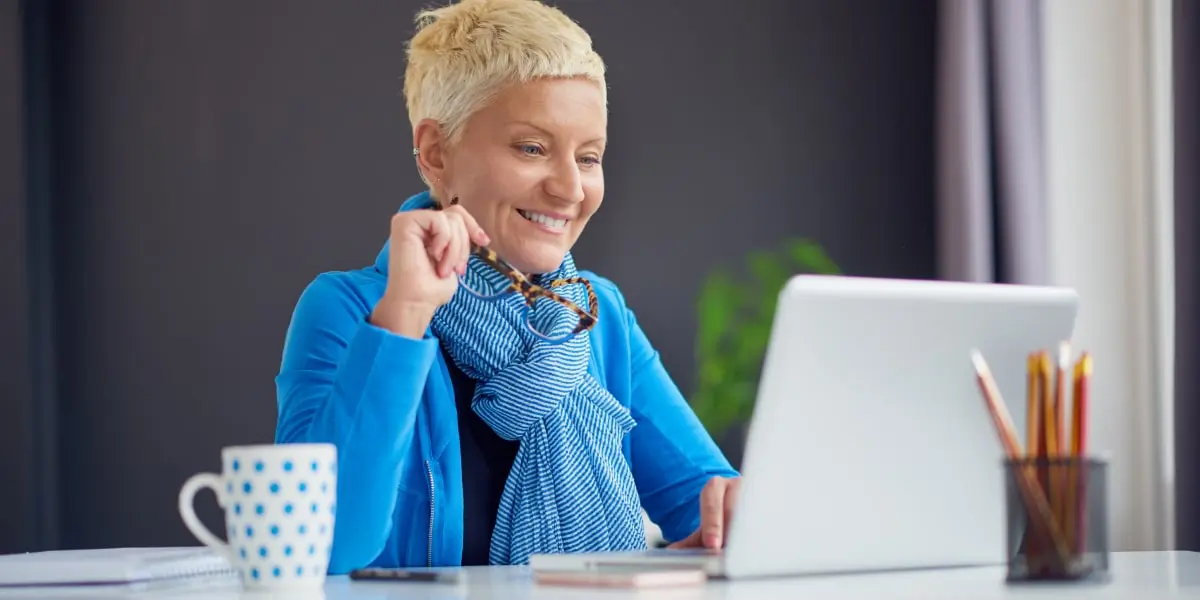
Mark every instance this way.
x=1049 y=422
x=1049 y=446
x=1077 y=536
x=1033 y=434
x=1033 y=421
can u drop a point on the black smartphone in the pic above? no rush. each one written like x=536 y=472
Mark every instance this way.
x=397 y=574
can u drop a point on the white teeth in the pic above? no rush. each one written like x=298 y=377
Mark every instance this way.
x=544 y=220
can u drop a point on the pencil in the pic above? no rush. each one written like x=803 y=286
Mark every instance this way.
x=1034 y=496
x=1072 y=491
x=1033 y=421
x=1083 y=374
x=996 y=407
x=1049 y=446
x=1033 y=431
x=1060 y=394
x=1049 y=426
x=1079 y=418
x=1059 y=479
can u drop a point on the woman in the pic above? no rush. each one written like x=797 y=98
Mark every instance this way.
x=471 y=430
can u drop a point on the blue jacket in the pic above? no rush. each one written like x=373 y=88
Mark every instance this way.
x=386 y=402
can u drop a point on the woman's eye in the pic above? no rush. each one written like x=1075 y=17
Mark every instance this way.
x=591 y=160
x=530 y=149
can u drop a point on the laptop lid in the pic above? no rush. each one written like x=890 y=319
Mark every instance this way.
x=870 y=447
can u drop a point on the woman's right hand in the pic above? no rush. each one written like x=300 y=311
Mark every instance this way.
x=429 y=249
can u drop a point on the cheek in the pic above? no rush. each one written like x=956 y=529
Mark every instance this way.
x=593 y=195
x=591 y=204
x=496 y=188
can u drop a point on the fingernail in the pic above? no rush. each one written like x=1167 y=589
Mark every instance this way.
x=712 y=541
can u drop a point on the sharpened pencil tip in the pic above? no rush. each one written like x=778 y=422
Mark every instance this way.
x=980 y=364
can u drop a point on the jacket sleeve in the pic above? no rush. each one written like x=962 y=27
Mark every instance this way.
x=347 y=382
x=672 y=454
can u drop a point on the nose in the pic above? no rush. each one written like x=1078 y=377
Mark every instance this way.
x=564 y=181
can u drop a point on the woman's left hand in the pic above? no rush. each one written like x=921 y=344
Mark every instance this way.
x=717 y=500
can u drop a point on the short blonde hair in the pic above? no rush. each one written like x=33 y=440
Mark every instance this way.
x=463 y=53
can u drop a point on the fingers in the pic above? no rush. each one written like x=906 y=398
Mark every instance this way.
x=717 y=502
x=474 y=231
x=733 y=489
x=454 y=260
x=464 y=230
x=691 y=541
x=712 y=512
x=440 y=236
x=448 y=235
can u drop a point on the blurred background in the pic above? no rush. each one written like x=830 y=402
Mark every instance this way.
x=172 y=175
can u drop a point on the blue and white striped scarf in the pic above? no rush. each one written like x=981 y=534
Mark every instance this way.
x=570 y=488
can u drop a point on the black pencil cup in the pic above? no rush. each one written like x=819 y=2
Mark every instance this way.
x=1057 y=519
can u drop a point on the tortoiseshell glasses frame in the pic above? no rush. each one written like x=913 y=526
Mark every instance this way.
x=518 y=282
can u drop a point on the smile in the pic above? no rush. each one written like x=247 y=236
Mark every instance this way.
x=544 y=220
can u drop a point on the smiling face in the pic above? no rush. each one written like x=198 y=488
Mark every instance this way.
x=527 y=167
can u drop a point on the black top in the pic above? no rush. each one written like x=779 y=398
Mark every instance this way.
x=486 y=460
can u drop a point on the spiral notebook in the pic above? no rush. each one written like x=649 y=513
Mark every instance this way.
x=115 y=566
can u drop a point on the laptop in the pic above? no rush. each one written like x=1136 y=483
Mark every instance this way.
x=870 y=447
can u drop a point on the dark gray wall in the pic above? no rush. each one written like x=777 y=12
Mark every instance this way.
x=17 y=523
x=791 y=118
x=218 y=155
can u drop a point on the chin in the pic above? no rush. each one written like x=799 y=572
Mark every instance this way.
x=545 y=265
x=537 y=262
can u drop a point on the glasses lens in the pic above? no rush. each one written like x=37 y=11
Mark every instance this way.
x=552 y=321
x=484 y=287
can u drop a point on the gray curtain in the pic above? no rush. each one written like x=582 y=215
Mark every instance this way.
x=991 y=207
x=1186 y=51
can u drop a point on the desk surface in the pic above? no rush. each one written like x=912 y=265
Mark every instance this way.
x=1135 y=575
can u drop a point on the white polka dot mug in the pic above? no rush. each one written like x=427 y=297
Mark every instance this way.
x=279 y=503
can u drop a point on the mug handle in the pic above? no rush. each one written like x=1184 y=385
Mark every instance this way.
x=187 y=495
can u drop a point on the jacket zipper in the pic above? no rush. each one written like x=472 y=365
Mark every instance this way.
x=432 y=497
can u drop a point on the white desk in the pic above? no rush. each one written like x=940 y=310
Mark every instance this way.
x=1135 y=576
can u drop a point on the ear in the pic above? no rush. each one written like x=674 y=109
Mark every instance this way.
x=429 y=145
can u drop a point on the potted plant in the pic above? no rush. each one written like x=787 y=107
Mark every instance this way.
x=734 y=318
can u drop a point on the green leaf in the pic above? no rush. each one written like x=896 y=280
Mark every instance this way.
x=734 y=323
x=712 y=370
x=736 y=397
x=715 y=311
x=811 y=256
x=746 y=408
x=751 y=345
x=772 y=274
x=771 y=271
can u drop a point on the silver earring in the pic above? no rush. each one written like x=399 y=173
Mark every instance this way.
x=416 y=151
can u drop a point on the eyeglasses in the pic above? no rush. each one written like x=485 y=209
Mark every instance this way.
x=547 y=314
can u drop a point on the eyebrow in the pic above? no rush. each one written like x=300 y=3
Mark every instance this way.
x=602 y=140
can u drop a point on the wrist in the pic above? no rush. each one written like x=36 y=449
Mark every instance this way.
x=409 y=319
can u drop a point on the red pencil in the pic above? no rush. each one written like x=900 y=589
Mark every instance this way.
x=1083 y=376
